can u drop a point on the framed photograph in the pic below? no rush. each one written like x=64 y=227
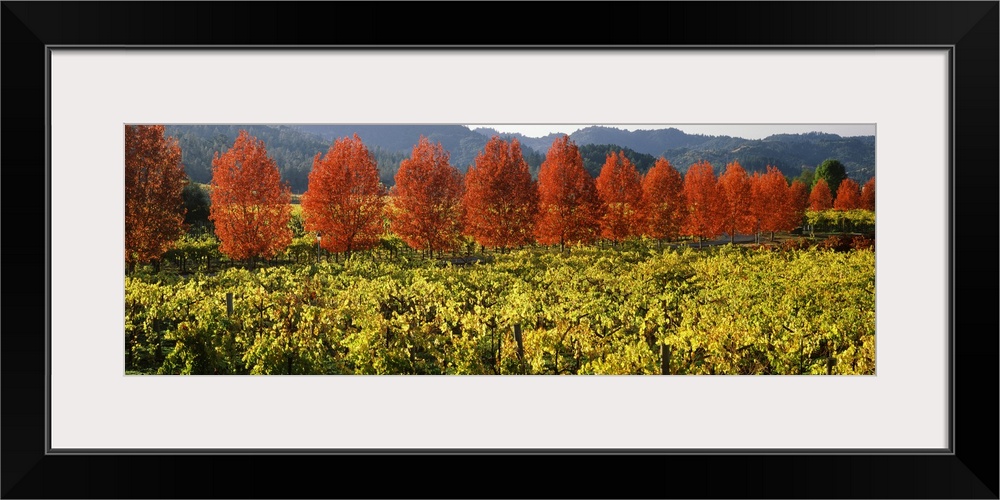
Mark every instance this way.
x=920 y=79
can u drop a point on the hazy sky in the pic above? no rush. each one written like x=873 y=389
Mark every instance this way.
x=744 y=131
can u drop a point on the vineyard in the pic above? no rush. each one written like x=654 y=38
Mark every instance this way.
x=632 y=309
x=491 y=271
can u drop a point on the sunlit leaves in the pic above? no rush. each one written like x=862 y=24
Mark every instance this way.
x=426 y=202
x=344 y=203
x=250 y=205
x=569 y=207
x=663 y=202
x=619 y=188
x=868 y=195
x=772 y=204
x=848 y=196
x=736 y=200
x=705 y=202
x=722 y=311
x=820 y=198
x=501 y=199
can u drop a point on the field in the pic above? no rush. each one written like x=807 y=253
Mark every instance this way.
x=629 y=309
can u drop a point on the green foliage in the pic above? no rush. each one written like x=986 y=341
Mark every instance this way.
x=296 y=223
x=799 y=312
x=843 y=221
x=291 y=148
x=594 y=156
x=585 y=311
x=807 y=177
x=196 y=205
x=191 y=253
x=833 y=172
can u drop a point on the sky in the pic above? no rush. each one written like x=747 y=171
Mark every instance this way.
x=734 y=130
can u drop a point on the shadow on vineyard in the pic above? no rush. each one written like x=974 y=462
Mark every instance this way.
x=793 y=306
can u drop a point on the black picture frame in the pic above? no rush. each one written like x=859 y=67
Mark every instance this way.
x=970 y=470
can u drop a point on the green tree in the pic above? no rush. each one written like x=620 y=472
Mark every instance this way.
x=196 y=202
x=807 y=177
x=833 y=172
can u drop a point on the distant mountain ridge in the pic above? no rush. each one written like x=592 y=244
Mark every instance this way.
x=790 y=153
x=295 y=146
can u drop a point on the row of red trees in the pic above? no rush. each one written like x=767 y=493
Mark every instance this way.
x=496 y=203
x=499 y=205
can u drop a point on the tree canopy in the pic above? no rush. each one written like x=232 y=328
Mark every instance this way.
x=154 y=186
x=426 y=202
x=663 y=201
x=343 y=202
x=501 y=199
x=569 y=207
x=705 y=217
x=833 y=172
x=619 y=187
x=250 y=205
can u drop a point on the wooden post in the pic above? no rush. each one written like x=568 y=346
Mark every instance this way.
x=229 y=303
x=520 y=345
x=664 y=360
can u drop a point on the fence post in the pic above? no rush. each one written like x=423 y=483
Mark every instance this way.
x=664 y=360
x=520 y=341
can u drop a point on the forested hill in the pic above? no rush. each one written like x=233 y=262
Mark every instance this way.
x=789 y=152
x=295 y=146
x=291 y=148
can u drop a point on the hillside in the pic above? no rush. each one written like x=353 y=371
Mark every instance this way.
x=295 y=146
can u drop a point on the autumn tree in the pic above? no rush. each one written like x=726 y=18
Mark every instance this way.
x=772 y=204
x=734 y=190
x=705 y=206
x=663 y=201
x=868 y=195
x=568 y=204
x=426 y=209
x=848 y=196
x=250 y=205
x=799 y=197
x=501 y=198
x=820 y=198
x=619 y=187
x=343 y=203
x=154 y=201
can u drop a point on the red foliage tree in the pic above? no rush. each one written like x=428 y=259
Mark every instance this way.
x=567 y=197
x=343 y=202
x=619 y=187
x=799 y=198
x=663 y=201
x=250 y=205
x=426 y=201
x=734 y=188
x=705 y=209
x=868 y=195
x=154 y=205
x=820 y=197
x=501 y=198
x=848 y=196
x=772 y=202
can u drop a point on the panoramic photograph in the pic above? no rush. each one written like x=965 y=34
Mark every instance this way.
x=499 y=249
